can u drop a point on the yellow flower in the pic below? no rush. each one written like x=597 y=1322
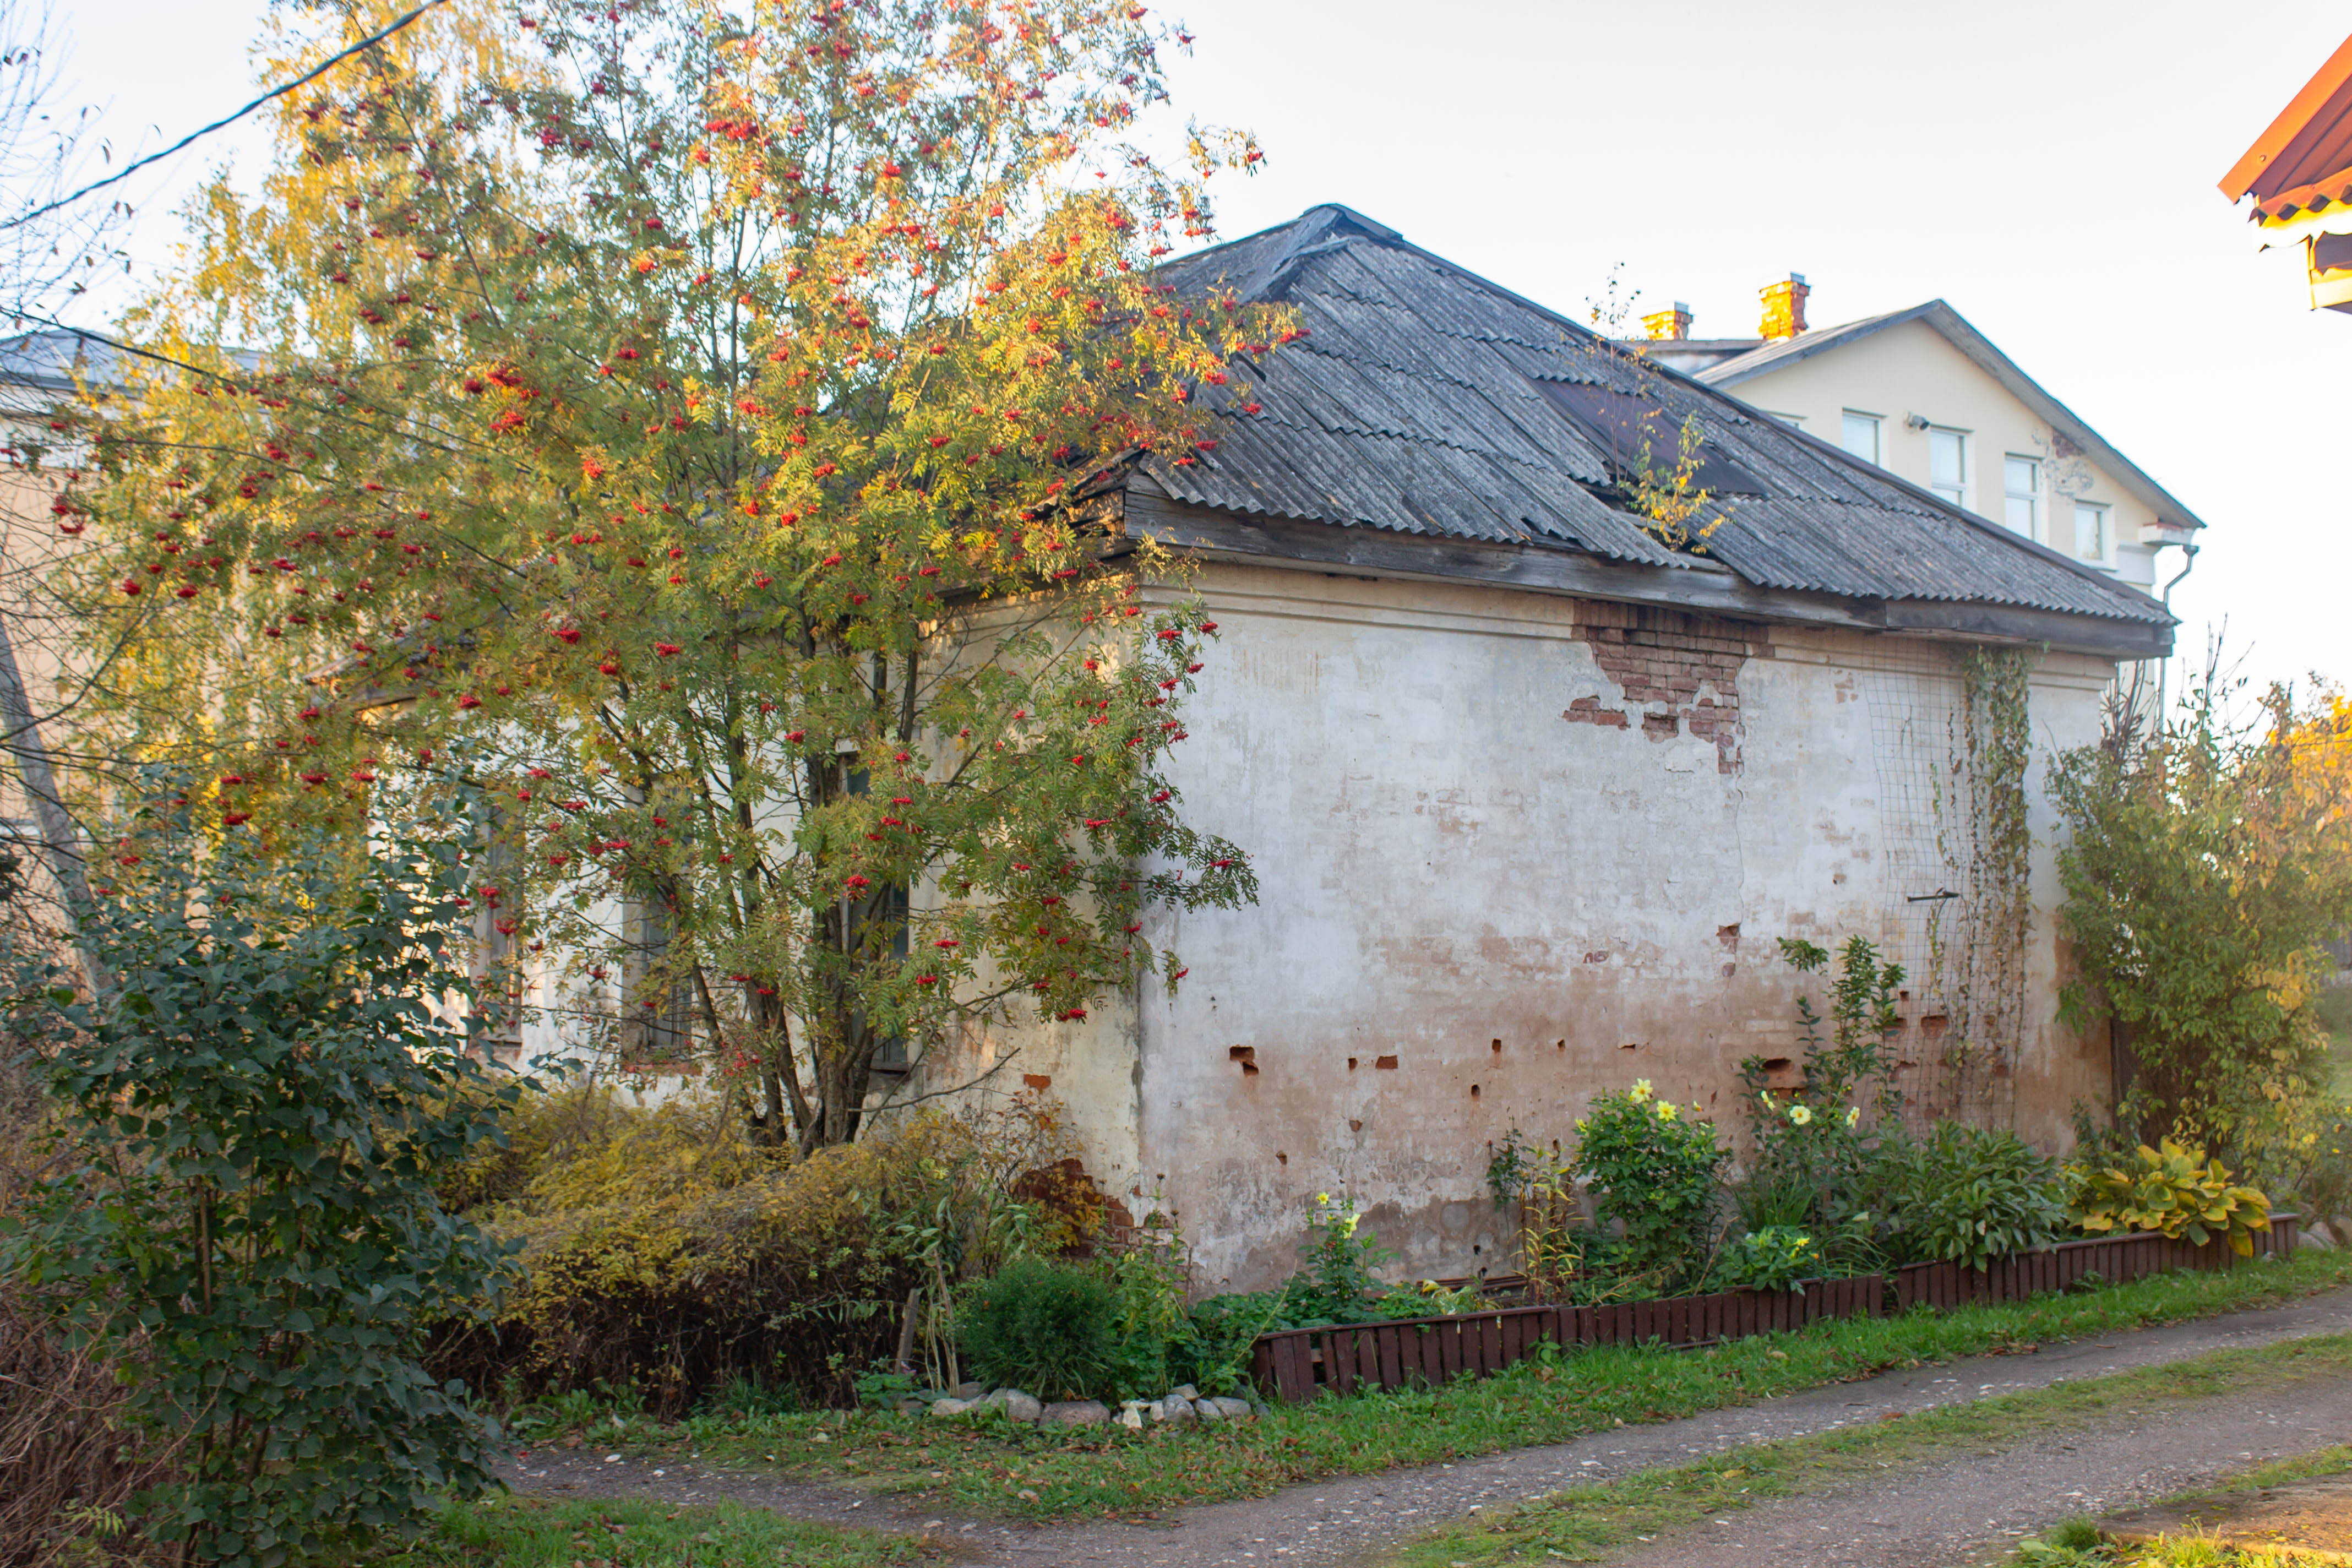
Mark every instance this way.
x=1641 y=1088
x=1766 y=1096
x=1853 y=1114
x=1803 y=1115
x=1322 y=1197
x=1665 y=1110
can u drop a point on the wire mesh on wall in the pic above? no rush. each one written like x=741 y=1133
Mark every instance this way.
x=1957 y=1050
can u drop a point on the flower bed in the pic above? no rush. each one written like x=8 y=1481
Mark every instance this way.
x=1295 y=1365
x=2114 y=1259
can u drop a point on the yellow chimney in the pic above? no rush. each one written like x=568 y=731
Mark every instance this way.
x=1668 y=326
x=1784 y=307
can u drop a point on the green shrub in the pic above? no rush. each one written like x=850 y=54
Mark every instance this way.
x=259 y=1110
x=1214 y=1352
x=1773 y=1258
x=1427 y=1299
x=1341 y=1279
x=1148 y=1279
x=1049 y=1329
x=2174 y=1190
x=2202 y=864
x=1653 y=1172
x=1968 y=1193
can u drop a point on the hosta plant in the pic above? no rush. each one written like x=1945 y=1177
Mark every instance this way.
x=2173 y=1191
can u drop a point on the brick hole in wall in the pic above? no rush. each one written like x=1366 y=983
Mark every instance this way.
x=1247 y=1057
x=1351 y=1064
x=1384 y=1064
x=1660 y=660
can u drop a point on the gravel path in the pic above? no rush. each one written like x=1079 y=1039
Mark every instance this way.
x=1970 y=1511
x=1349 y=1519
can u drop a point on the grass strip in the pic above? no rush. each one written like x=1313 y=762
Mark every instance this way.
x=533 y=1532
x=991 y=1468
x=1588 y=1523
x=2077 y=1545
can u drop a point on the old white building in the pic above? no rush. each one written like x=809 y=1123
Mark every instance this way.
x=1532 y=794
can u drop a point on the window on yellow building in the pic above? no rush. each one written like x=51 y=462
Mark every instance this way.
x=1947 y=465
x=2091 y=539
x=1858 y=433
x=2022 y=498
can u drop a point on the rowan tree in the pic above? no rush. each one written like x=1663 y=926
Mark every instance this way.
x=683 y=426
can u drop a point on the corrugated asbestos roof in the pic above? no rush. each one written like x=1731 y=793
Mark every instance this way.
x=1414 y=405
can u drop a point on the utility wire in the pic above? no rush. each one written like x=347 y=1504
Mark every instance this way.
x=132 y=168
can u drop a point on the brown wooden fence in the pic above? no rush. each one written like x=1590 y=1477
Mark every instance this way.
x=2114 y=1259
x=1295 y=1365
x=1298 y=1365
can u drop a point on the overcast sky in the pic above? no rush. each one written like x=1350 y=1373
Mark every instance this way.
x=2048 y=166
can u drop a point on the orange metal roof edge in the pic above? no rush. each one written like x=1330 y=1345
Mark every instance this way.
x=2335 y=188
x=2324 y=85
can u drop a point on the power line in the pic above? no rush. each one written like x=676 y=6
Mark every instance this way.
x=129 y=169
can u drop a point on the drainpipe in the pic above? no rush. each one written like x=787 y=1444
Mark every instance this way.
x=2164 y=669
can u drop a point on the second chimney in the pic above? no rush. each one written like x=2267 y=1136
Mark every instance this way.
x=1784 y=307
x=1668 y=326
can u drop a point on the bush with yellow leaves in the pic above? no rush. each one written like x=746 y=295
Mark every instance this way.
x=2172 y=1190
x=663 y=1248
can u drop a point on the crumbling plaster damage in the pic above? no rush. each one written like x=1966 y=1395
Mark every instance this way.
x=1477 y=909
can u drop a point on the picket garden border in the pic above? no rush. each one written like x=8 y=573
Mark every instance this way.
x=1296 y=1365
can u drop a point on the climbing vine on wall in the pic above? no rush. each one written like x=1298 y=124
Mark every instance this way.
x=1989 y=774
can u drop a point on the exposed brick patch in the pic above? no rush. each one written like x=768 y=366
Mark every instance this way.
x=1588 y=710
x=1677 y=672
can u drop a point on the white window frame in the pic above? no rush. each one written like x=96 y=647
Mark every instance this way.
x=2106 y=555
x=1847 y=419
x=2031 y=496
x=1793 y=421
x=1962 y=436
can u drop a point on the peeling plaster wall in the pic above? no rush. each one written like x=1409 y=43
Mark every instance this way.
x=1480 y=905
